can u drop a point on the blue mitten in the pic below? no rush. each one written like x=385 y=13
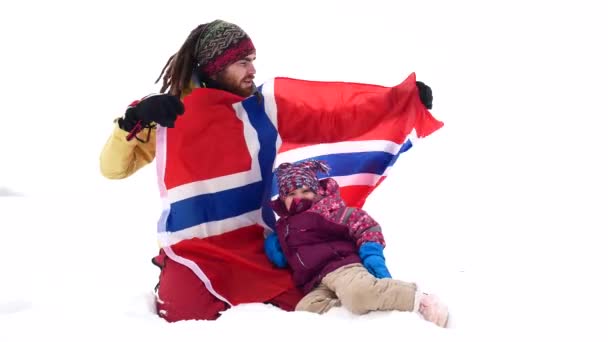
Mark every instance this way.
x=272 y=247
x=372 y=255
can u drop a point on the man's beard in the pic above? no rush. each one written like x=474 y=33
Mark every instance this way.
x=235 y=86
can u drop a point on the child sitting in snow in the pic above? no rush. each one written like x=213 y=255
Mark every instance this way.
x=336 y=252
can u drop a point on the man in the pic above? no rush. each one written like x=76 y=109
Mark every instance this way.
x=221 y=55
x=216 y=55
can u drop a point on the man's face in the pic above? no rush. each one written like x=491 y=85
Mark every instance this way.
x=238 y=76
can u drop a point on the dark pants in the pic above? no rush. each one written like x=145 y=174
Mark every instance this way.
x=181 y=295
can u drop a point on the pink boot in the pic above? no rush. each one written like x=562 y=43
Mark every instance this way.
x=432 y=309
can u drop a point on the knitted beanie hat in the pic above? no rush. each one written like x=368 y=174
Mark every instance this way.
x=294 y=176
x=220 y=44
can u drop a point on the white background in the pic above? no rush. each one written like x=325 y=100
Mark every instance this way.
x=501 y=212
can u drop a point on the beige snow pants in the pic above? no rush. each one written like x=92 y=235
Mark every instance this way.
x=359 y=291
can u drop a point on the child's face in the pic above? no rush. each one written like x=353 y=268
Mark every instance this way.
x=304 y=193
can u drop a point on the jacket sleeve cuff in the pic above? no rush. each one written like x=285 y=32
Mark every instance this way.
x=121 y=135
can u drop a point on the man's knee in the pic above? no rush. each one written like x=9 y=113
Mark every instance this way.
x=175 y=312
x=288 y=299
x=181 y=295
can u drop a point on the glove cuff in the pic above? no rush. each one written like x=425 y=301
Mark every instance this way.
x=126 y=124
x=371 y=248
x=132 y=124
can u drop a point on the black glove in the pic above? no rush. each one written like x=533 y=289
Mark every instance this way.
x=426 y=94
x=162 y=109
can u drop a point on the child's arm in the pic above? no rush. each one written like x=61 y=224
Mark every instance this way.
x=372 y=256
x=362 y=227
x=273 y=251
x=370 y=241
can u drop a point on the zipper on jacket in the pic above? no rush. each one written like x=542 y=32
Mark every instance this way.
x=300 y=259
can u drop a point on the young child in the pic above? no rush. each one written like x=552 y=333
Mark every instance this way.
x=336 y=252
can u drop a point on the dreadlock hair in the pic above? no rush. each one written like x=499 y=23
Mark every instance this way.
x=177 y=72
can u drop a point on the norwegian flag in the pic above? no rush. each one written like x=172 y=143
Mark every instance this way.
x=215 y=168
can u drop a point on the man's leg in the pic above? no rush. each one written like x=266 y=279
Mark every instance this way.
x=181 y=295
x=319 y=300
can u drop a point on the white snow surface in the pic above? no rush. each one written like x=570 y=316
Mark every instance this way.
x=501 y=213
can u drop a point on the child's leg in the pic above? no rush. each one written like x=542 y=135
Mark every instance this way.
x=361 y=292
x=319 y=300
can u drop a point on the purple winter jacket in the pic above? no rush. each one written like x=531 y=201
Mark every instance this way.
x=320 y=236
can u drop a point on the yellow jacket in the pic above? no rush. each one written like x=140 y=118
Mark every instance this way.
x=121 y=158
